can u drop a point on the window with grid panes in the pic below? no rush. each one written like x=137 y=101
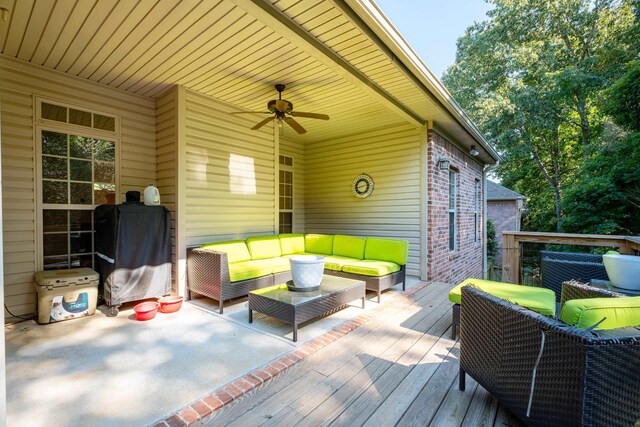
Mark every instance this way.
x=476 y=211
x=286 y=195
x=453 y=213
x=77 y=173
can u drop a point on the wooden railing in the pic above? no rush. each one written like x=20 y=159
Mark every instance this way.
x=512 y=245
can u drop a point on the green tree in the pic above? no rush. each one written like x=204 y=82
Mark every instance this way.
x=531 y=77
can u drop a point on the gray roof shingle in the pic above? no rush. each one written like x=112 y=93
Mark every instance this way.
x=498 y=192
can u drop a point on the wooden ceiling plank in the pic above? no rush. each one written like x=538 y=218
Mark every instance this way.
x=5 y=25
x=77 y=18
x=33 y=33
x=116 y=37
x=319 y=20
x=148 y=53
x=57 y=22
x=283 y=5
x=93 y=25
x=305 y=7
x=115 y=20
x=272 y=17
x=119 y=58
x=201 y=36
x=311 y=13
x=19 y=20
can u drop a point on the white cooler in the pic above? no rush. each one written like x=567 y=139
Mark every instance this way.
x=66 y=294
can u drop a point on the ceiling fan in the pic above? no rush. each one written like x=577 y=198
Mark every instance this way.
x=282 y=111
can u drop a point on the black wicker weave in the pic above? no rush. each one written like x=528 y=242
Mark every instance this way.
x=582 y=379
x=558 y=267
x=208 y=275
x=375 y=283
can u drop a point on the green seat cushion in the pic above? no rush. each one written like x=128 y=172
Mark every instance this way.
x=371 y=268
x=349 y=246
x=278 y=265
x=262 y=247
x=236 y=250
x=291 y=244
x=318 y=244
x=392 y=250
x=336 y=262
x=244 y=270
x=617 y=312
x=537 y=299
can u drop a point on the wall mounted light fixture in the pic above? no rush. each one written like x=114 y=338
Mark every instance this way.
x=473 y=151
x=443 y=163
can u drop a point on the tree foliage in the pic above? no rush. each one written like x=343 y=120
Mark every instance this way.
x=532 y=77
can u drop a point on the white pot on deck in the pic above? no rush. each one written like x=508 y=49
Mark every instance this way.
x=623 y=270
x=306 y=270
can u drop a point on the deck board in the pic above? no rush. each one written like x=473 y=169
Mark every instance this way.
x=401 y=368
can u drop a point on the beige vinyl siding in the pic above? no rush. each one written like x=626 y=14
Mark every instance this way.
x=19 y=83
x=166 y=142
x=391 y=157
x=218 y=206
x=296 y=151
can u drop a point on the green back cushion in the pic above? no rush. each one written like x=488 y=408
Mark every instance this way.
x=262 y=247
x=392 y=250
x=291 y=243
x=349 y=246
x=541 y=300
x=236 y=250
x=318 y=244
x=619 y=312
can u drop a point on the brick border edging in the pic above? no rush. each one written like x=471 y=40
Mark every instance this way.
x=233 y=390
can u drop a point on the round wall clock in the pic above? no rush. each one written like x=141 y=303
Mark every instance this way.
x=362 y=186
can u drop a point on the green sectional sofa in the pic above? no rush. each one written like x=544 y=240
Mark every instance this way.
x=225 y=270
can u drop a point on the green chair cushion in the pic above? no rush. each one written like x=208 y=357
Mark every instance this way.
x=537 y=299
x=336 y=262
x=263 y=247
x=291 y=244
x=617 y=312
x=371 y=268
x=278 y=265
x=318 y=244
x=392 y=250
x=244 y=270
x=349 y=246
x=236 y=250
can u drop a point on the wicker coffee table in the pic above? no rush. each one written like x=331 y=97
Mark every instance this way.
x=298 y=307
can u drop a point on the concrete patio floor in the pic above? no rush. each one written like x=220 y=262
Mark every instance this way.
x=104 y=371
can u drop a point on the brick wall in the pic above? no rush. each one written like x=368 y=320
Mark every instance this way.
x=445 y=265
x=504 y=215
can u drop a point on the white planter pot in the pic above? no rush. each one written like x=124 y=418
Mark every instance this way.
x=307 y=270
x=623 y=270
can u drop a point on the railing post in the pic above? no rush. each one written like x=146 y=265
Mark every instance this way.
x=510 y=258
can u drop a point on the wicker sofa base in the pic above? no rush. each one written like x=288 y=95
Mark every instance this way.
x=208 y=275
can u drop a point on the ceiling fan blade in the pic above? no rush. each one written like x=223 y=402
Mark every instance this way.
x=262 y=123
x=281 y=105
x=251 y=112
x=310 y=115
x=295 y=125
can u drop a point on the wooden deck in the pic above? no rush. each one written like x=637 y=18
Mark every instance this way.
x=401 y=368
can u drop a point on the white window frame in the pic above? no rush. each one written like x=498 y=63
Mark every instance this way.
x=67 y=128
x=287 y=168
x=453 y=184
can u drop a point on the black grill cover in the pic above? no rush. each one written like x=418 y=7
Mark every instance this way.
x=133 y=252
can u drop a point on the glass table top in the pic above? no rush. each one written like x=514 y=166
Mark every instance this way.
x=329 y=285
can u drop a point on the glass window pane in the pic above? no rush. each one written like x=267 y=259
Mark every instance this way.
x=104 y=122
x=80 y=170
x=78 y=261
x=105 y=172
x=81 y=243
x=105 y=150
x=79 y=117
x=54 y=143
x=54 y=167
x=104 y=194
x=81 y=220
x=55 y=244
x=54 y=112
x=452 y=230
x=54 y=192
x=80 y=146
x=54 y=220
x=81 y=194
x=56 y=263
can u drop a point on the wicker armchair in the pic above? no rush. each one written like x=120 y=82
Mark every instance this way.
x=582 y=378
x=558 y=267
